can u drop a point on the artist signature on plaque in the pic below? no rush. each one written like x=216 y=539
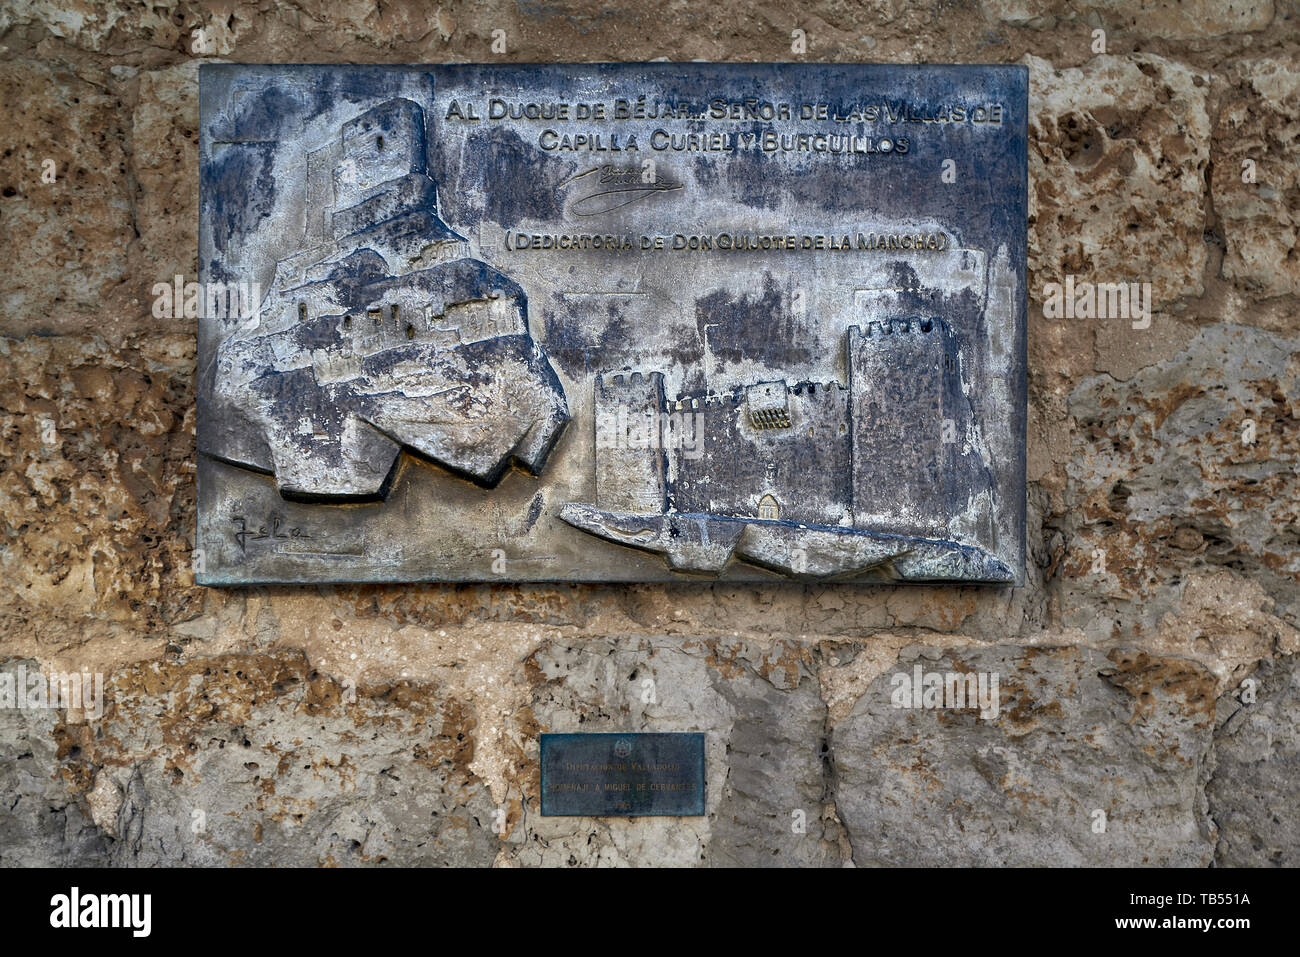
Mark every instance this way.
x=273 y=529
x=616 y=187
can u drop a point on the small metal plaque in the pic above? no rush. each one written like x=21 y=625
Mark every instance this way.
x=610 y=322
x=623 y=775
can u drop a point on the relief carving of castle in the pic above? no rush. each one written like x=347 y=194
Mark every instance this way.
x=383 y=333
x=816 y=479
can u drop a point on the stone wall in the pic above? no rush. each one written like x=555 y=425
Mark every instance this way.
x=1149 y=667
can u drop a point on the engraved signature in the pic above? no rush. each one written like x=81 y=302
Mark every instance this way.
x=243 y=535
x=617 y=187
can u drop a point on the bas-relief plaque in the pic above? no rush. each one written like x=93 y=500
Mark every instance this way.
x=619 y=322
x=634 y=774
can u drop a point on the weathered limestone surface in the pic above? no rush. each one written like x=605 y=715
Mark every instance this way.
x=1184 y=469
x=1080 y=732
x=368 y=725
x=1116 y=171
x=1257 y=763
x=44 y=824
x=165 y=131
x=98 y=444
x=64 y=243
x=264 y=761
x=1256 y=187
x=1166 y=19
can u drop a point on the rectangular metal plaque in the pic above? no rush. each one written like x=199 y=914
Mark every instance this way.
x=613 y=322
x=632 y=775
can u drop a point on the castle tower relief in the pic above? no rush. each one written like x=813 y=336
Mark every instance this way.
x=630 y=458
x=884 y=471
x=915 y=460
x=386 y=335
